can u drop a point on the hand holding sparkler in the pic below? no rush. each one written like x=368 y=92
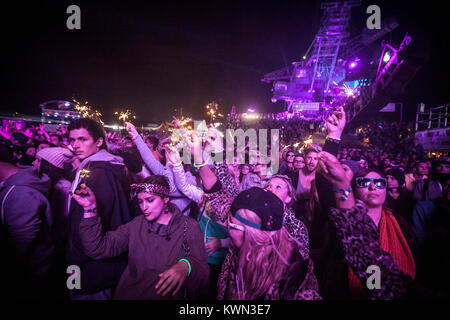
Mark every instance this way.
x=85 y=197
x=214 y=140
x=172 y=155
x=335 y=124
x=131 y=129
x=195 y=144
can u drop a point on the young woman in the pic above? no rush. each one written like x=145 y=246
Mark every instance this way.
x=265 y=262
x=166 y=256
x=369 y=237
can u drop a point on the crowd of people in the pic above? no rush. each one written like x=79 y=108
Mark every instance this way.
x=139 y=223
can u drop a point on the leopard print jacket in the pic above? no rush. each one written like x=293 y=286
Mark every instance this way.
x=360 y=242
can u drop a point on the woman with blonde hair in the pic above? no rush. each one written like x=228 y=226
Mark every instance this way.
x=264 y=262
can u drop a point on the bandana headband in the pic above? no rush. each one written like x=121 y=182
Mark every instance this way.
x=151 y=188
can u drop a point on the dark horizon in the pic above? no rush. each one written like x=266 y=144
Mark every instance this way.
x=153 y=58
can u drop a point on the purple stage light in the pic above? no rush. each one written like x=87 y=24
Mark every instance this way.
x=352 y=65
x=251 y=109
x=67 y=104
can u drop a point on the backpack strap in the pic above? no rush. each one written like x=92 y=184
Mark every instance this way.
x=426 y=183
x=3 y=204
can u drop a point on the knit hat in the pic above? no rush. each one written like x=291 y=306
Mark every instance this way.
x=264 y=203
x=397 y=174
x=56 y=156
x=353 y=165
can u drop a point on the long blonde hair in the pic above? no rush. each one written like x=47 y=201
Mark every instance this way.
x=263 y=259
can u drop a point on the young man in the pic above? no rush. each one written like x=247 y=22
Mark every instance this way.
x=105 y=174
x=420 y=172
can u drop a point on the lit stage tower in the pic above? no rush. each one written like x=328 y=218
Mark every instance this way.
x=310 y=86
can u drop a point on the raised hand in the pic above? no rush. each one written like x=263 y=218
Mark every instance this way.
x=85 y=197
x=131 y=129
x=335 y=123
x=332 y=169
x=172 y=155
x=214 y=140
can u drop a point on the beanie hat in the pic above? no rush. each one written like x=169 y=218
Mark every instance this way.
x=353 y=165
x=265 y=204
x=397 y=174
x=56 y=156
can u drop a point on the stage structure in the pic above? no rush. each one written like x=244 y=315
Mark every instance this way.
x=433 y=128
x=327 y=75
x=59 y=111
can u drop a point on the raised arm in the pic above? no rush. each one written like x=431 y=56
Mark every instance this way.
x=179 y=176
x=146 y=154
x=359 y=236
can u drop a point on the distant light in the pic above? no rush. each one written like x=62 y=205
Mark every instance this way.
x=386 y=57
x=67 y=104
x=352 y=65
x=304 y=57
x=251 y=109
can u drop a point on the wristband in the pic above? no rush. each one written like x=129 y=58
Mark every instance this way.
x=220 y=151
x=201 y=165
x=345 y=192
x=174 y=164
x=89 y=213
x=189 y=265
x=335 y=140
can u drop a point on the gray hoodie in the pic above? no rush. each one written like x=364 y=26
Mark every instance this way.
x=27 y=217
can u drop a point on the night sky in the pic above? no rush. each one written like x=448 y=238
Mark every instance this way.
x=154 y=57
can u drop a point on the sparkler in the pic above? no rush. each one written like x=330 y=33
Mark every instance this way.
x=125 y=116
x=86 y=111
x=84 y=175
x=213 y=110
x=306 y=143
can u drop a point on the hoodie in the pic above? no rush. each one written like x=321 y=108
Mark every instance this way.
x=27 y=220
x=107 y=179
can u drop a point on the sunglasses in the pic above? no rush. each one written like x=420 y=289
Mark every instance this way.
x=379 y=183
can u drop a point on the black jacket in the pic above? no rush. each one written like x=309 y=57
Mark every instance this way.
x=108 y=182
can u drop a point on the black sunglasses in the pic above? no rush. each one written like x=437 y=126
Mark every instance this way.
x=379 y=183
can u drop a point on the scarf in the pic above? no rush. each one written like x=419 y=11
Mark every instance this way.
x=392 y=241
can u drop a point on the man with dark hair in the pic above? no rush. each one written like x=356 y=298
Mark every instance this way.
x=420 y=172
x=399 y=199
x=56 y=140
x=105 y=175
x=26 y=222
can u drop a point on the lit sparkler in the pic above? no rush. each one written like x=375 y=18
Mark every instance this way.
x=212 y=109
x=306 y=143
x=125 y=116
x=86 y=111
x=84 y=175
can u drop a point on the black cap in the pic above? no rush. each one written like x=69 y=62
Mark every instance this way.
x=264 y=203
